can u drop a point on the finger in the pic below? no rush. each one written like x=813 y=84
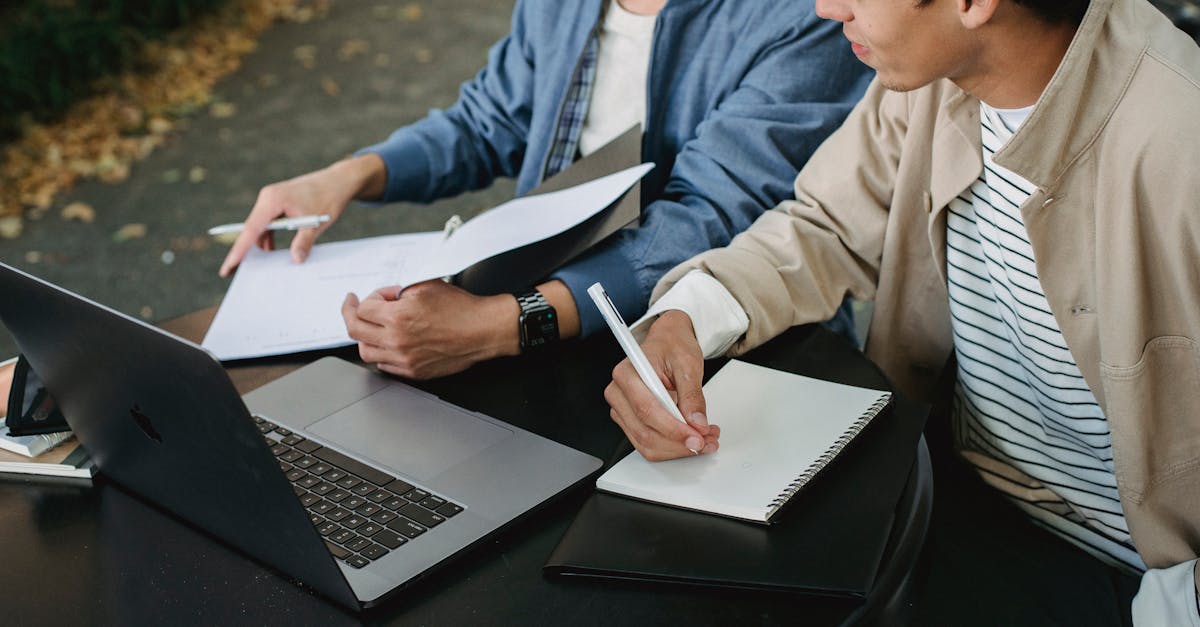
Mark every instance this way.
x=690 y=394
x=302 y=244
x=266 y=241
x=647 y=409
x=238 y=251
x=359 y=328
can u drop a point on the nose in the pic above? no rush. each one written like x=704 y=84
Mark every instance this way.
x=837 y=10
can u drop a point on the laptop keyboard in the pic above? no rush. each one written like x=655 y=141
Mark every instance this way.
x=362 y=513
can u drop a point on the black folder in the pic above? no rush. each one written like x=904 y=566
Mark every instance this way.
x=828 y=541
x=519 y=268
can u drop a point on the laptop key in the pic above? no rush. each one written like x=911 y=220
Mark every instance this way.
x=406 y=527
x=394 y=503
x=282 y=431
x=316 y=520
x=384 y=517
x=352 y=465
x=349 y=482
x=327 y=528
x=265 y=428
x=308 y=499
x=320 y=469
x=337 y=551
x=369 y=529
x=324 y=507
x=363 y=489
x=337 y=495
x=291 y=456
x=308 y=446
x=280 y=449
x=298 y=490
x=379 y=496
x=373 y=552
x=335 y=475
x=432 y=503
x=295 y=475
x=357 y=561
x=291 y=439
x=358 y=544
x=449 y=509
x=305 y=462
x=399 y=486
x=421 y=515
x=389 y=538
x=353 y=521
x=416 y=496
x=308 y=481
x=342 y=536
x=323 y=488
x=356 y=503
x=337 y=514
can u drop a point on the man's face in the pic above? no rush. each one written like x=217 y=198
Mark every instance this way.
x=909 y=46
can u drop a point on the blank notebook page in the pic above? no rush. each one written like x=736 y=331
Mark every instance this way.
x=777 y=430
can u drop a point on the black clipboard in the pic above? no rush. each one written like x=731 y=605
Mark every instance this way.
x=828 y=541
x=522 y=267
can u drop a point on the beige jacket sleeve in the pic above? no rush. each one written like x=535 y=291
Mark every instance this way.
x=795 y=264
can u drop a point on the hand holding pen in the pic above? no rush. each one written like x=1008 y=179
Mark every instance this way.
x=295 y=204
x=641 y=405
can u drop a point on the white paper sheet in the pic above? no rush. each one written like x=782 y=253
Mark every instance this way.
x=274 y=306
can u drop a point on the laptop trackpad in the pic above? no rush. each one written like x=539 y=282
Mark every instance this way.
x=417 y=435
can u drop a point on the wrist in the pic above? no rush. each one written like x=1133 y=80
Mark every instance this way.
x=505 y=314
x=365 y=176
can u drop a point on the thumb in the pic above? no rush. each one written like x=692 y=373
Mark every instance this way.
x=691 y=398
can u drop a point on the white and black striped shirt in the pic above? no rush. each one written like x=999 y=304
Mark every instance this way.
x=1024 y=416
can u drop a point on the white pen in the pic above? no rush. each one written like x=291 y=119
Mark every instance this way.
x=282 y=224
x=634 y=352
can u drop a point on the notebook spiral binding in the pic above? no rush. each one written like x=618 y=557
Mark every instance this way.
x=830 y=453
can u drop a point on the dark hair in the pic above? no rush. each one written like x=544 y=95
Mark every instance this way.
x=1053 y=11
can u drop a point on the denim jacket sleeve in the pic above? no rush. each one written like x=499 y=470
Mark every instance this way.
x=741 y=162
x=479 y=138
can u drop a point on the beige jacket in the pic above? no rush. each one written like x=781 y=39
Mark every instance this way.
x=1113 y=147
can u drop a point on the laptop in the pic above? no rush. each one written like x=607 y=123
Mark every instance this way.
x=350 y=482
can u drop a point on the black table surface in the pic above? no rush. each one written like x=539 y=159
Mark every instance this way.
x=79 y=552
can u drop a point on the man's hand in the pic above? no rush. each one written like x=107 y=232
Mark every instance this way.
x=431 y=329
x=325 y=191
x=672 y=349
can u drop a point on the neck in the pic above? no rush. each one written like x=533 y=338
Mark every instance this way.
x=1015 y=60
x=642 y=7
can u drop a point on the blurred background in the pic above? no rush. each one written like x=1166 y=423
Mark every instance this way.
x=129 y=128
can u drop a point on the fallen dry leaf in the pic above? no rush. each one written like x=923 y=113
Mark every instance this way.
x=222 y=110
x=306 y=55
x=330 y=86
x=11 y=227
x=130 y=231
x=80 y=211
x=352 y=48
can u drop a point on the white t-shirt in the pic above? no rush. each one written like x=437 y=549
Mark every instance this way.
x=619 y=93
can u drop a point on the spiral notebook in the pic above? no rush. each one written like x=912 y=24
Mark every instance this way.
x=778 y=431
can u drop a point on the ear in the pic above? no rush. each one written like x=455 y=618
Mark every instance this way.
x=976 y=13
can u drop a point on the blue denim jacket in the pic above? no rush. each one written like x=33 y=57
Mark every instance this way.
x=739 y=94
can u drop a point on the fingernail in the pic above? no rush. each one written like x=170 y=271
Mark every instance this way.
x=694 y=443
x=699 y=419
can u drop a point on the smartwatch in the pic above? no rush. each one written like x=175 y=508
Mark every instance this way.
x=538 y=325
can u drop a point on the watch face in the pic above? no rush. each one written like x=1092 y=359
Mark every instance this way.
x=539 y=327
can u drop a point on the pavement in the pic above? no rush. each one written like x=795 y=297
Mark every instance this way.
x=310 y=94
x=373 y=68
